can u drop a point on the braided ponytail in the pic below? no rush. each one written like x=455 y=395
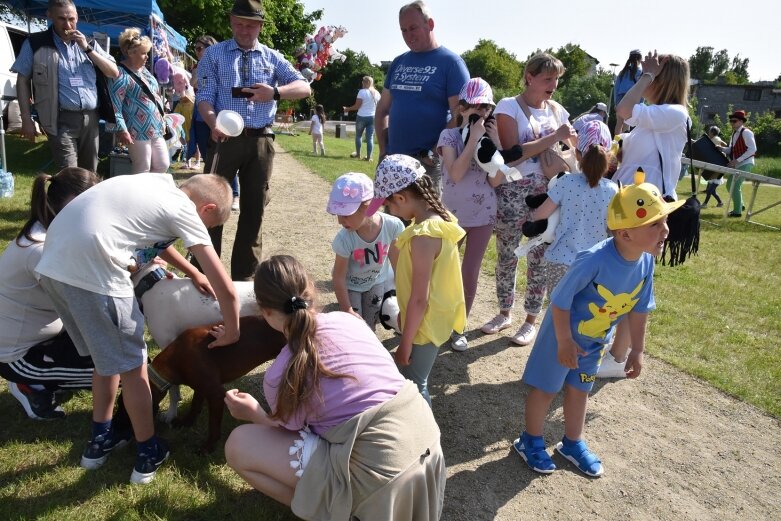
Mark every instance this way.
x=424 y=188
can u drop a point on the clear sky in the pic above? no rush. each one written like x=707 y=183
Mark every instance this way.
x=605 y=30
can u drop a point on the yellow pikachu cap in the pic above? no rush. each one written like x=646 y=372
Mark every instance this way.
x=638 y=204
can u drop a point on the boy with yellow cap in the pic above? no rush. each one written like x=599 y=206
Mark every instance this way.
x=606 y=283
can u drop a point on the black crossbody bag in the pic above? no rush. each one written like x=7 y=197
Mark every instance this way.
x=169 y=133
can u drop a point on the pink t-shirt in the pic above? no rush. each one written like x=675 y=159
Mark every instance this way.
x=347 y=346
x=472 y=200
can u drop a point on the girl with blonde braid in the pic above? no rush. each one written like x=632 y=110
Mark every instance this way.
x=426 y=263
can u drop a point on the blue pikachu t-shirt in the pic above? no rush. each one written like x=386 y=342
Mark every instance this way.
x=600 y=289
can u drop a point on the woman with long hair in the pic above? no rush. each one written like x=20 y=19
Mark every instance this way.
x=624 y=81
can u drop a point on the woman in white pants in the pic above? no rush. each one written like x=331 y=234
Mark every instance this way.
x=138 y=108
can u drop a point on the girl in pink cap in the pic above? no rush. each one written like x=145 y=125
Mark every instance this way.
x=466 y=189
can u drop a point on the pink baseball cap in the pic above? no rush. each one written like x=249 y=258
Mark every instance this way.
x=594 y=132
x=394 y=173
x=477 y=91
x=348 y=192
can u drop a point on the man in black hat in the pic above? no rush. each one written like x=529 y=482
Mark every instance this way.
x=245 y=76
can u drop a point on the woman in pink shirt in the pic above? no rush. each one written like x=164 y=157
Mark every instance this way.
x=343 y=424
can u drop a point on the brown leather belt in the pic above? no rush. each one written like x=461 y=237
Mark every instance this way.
x=258 y=132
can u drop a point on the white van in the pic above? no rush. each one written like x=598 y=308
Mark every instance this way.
x=11 y=39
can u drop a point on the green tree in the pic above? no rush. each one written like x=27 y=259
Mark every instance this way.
x=706 y=66
x=286 y=26
x=577 y=63
x=700 y=63
x=495 y=65
x=341 y=81
x=582 y=92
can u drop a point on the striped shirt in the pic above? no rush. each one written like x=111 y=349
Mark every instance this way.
x=226 y=65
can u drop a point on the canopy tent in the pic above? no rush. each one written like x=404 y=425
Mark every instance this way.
x=110 y=16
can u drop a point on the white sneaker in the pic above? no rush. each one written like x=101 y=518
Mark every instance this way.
x=458 y=343
x=609 y=368
x=235 y=205
x=525 y=334
x=496 y=324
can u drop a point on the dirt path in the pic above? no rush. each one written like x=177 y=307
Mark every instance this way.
x=673 y=447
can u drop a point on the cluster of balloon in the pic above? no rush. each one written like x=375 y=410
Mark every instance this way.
x=318 y=51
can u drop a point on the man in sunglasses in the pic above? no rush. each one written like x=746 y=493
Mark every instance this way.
x=741 y=150
x=422 y=85
x=245 y=76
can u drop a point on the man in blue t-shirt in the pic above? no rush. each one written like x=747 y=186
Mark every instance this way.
x=421 y=86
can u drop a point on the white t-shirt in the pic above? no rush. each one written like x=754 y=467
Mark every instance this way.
x=368 y=102
x=27 y=316
x=368 y=263
x=122 y=221
x=659 y=129
x=317 y=127
x=545 y=121
x=583 y=221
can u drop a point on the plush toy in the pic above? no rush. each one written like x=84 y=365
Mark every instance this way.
x=490 y=158
x=542 y=231
x=163 y=71
x=389 y=311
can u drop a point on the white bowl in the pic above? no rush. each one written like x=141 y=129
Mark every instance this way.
x=230 y=123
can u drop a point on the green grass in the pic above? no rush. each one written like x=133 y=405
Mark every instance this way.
x=336 y=161
x=718 y=317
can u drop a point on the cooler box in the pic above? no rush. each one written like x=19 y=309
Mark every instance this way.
x=119 y=164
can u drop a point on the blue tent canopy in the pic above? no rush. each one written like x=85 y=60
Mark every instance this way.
x=108 y=16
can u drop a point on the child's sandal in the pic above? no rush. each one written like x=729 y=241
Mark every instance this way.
x=532 y=450
x=578 y=454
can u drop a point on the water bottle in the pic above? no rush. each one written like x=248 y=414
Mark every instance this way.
x=6 y=184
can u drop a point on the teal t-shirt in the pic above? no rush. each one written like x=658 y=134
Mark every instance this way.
x=368 y=261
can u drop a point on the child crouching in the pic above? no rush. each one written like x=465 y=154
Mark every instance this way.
x=362 y=273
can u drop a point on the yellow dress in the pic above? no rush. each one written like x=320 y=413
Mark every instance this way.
x=446 y=311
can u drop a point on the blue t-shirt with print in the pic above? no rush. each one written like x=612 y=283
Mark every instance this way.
x=420 y=84
x=599 y=290
x=368 y=263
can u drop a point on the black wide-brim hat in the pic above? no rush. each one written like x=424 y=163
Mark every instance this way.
x=249 y=9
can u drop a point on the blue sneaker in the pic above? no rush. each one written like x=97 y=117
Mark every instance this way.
x=100 y=447
x=532 y=450
x=148 y=463
x=38 y=405
x=577 y=452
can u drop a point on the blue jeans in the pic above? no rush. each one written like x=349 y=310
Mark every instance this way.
x=364 y=123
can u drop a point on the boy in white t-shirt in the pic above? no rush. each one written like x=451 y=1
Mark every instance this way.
x=362 y=273
x=91 y=249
